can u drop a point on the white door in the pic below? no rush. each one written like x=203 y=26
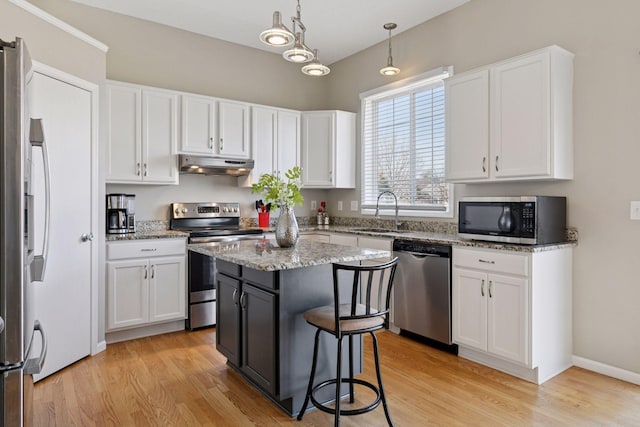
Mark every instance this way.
x=63 y=300
x=288 y=140
x=127 y=293
x=159 y=137
x=317 y=148
x=198 y=128
x=167 y=289
x=124 y=162
x=233 y=125
x=469 y=308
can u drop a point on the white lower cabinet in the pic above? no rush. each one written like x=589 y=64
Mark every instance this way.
x=146 y=282
x=512 y=310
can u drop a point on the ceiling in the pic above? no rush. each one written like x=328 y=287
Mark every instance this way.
x=337 y=28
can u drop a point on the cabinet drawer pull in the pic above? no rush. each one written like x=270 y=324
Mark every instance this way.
x=497 y=157
x=148 y=249
x=146 y=272
x=243 y=300
x=482 y=288
x=210 y=142
x=221 y=144
x=485 y=261
x=233 y=297
x=490 y=284
x=138 y=168
x=484 y=164
x=153 y=272
x=146 y=170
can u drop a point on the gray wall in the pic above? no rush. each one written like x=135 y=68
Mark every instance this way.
x=605 y=38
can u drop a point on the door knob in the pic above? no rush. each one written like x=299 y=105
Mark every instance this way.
x=86 y=237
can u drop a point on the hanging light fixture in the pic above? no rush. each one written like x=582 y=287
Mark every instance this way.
x=280 y=35
x=389 y=70
x=315 y=68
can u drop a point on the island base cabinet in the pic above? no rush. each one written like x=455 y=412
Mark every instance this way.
x=261 y=330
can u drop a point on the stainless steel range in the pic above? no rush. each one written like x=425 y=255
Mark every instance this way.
x=216 y=224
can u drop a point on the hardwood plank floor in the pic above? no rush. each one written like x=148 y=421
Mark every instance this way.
x=180 y=379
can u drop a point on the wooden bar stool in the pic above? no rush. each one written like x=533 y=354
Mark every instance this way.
x=367 y=312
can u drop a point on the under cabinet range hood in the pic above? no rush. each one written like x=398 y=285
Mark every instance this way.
x=214 y=165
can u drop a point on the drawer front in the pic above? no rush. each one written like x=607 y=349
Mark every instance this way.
x=228 y=268
x=263 y=279
x=502 y=262
x=145 y=248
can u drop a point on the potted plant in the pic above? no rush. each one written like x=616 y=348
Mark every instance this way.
x=285 y=193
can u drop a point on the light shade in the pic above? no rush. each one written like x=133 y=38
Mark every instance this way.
x=278 y=34
x=389 y=70
x=299 y=52
x=316 y=68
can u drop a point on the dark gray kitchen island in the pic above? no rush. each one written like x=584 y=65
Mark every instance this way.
x=262 y=292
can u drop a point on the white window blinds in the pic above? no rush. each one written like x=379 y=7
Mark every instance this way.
x=403 y=137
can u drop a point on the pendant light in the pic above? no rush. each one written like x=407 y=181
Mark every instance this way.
x=280 y=35
x=315 y=68
x=389 y=70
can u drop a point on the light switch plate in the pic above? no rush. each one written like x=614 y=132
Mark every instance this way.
x=314 y=205
x=339 y=205
x=354 y=205
x=635 y=210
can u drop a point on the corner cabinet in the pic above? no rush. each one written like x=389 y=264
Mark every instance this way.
x=146 y=282
x=511 y=120
x=512 y=310
x=328 y=149
x=214 y=127
x=141 y=126
x=275 y=142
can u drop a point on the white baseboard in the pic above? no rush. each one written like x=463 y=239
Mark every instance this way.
x=100 y=347
x=608 y=370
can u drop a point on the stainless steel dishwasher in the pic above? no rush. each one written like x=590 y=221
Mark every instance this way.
x=422 y=289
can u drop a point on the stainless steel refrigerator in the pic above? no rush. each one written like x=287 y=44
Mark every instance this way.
x=20 y=265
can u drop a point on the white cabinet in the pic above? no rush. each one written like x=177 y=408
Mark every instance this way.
x=512 y=310
x=214 y=127
x=512 y=120
x=146 y=282
x=198 y=124
x=328 y=149
x=141 y=133
x=275 y=142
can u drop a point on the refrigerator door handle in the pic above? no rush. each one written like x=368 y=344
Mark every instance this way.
x=39 y=264
x=34 y=366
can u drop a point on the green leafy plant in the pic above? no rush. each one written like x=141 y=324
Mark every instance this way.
x=281 y=191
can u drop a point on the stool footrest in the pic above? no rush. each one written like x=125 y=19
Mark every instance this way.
x=356 y=411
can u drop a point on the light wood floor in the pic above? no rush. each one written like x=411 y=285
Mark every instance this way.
x=180 y=379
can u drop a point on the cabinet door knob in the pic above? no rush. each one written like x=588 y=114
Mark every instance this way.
x=86 y=237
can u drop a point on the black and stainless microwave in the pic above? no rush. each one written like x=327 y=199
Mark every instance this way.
x=531 y=220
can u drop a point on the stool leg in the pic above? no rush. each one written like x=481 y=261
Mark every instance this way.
x=338 y=382
x=311 y=376
x=382 y=396
x=351 y=394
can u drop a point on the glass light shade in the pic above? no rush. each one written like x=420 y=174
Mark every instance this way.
x=315 y=68
x=299 y=52
x=278 y=34
x=389 y=70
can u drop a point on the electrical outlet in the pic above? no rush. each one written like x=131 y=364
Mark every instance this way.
x=635 y=210
x=339 y=205
x=354 y=205
x=314 y=205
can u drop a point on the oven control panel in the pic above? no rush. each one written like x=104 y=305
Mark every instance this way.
x=205 y=210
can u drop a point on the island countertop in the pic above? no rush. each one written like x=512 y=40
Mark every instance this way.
x=265 y=254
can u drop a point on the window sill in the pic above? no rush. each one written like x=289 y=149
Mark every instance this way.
x=408 y=213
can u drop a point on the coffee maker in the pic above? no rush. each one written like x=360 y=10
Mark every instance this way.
x=118 y=213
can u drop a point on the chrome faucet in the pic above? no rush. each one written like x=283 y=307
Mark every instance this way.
x=377 y=216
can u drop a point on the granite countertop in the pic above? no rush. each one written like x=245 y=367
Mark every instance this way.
x=265 y=254
x=442 y=238
x=147 y=234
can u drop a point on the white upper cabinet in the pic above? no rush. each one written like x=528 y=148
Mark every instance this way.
x=198 y=124
x=213 y=127
x=233 y=125
x=328 y=149
x=512 y=120
x=141 y=134
x=275 y=142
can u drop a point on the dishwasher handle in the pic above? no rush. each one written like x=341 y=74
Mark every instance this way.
x=420 y=254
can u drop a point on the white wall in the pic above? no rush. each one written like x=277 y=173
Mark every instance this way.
x=605 y=37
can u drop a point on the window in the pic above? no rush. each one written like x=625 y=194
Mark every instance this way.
x=403 y=137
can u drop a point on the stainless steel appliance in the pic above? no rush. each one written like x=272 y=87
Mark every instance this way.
x=533 y=220
x=131 y=213
x=19 y=263
x=216 y=224
x=214 y=165
x=120 y=218
x=422 y=289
